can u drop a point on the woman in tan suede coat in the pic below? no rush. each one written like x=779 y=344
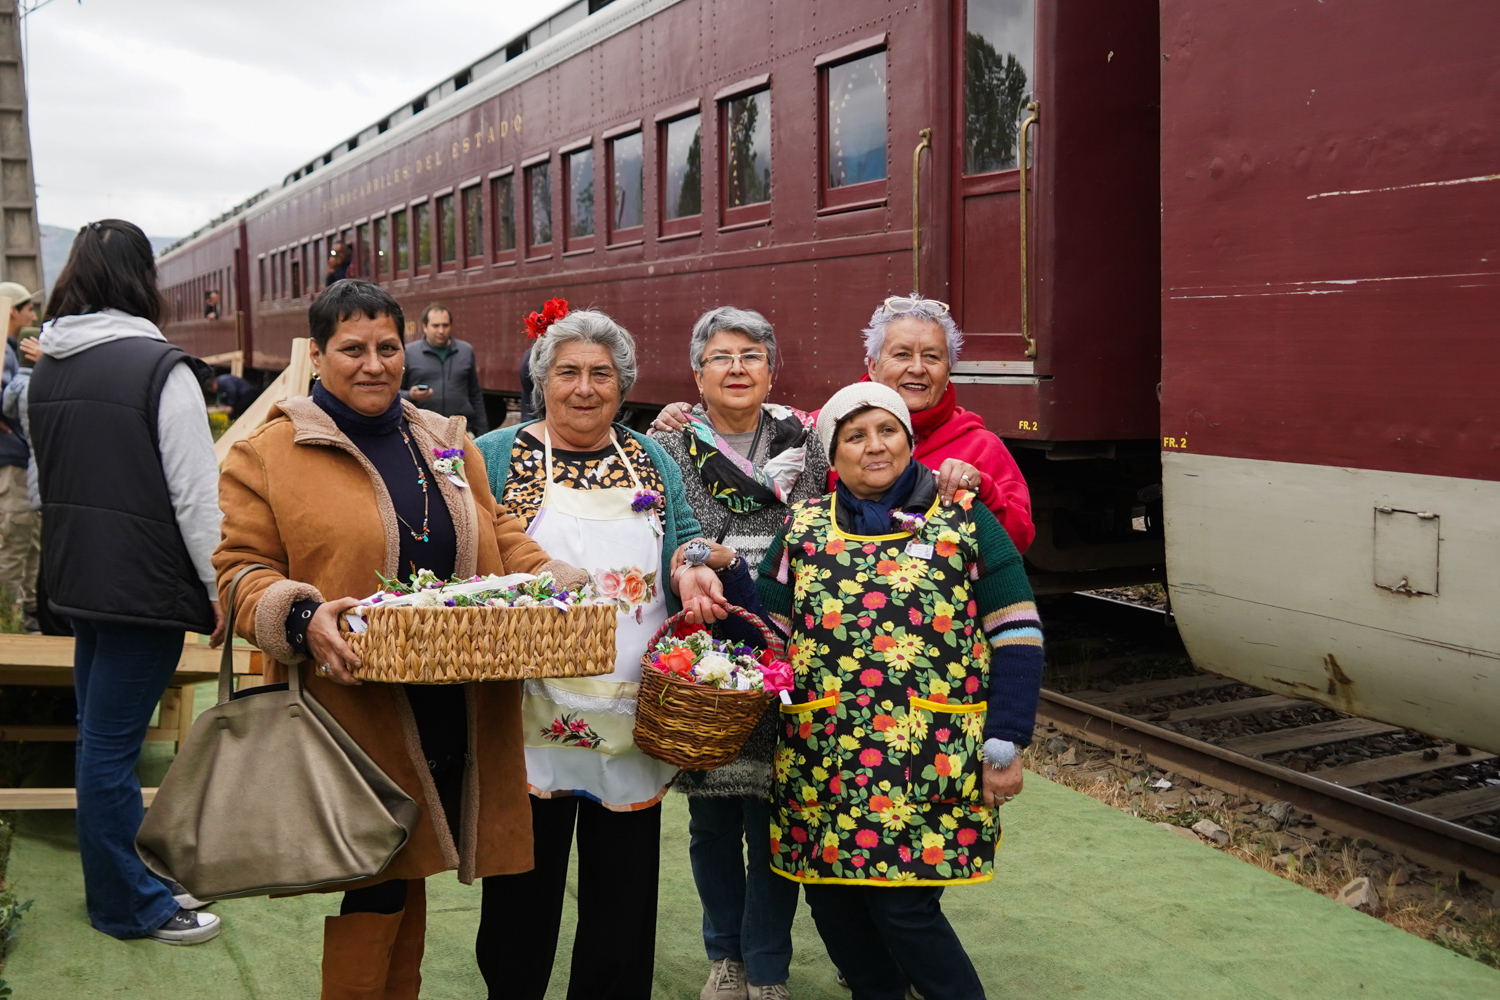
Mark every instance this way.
x=328 y=492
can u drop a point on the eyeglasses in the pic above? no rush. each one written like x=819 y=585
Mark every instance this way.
x=904 y=304
x=747 y=361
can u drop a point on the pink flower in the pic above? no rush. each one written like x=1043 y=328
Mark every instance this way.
x=914 y=616
x=857 y=861
x=861 y=780
x=871 y=677
x=943 y=735
x=778 y=676
x=864 y=621
x=873 y=600
x=862 y=700
x=971 y=685
x=867 y=839
x=809 y=548
x=967 y=836
x=904 y=852
x=870 y=757
x=609 y=584
x=799 y=834
x=867 y=548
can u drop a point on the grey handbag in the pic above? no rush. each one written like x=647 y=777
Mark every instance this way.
x=270 y=795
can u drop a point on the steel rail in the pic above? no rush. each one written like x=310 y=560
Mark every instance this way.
x=1435 y=842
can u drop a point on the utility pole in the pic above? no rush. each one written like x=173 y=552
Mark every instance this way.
x=20 y=235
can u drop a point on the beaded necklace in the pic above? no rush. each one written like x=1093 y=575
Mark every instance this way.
x=423 y=535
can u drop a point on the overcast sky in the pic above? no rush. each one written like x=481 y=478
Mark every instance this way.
x=168 y=112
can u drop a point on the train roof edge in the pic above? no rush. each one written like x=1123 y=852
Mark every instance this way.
x=494 y=75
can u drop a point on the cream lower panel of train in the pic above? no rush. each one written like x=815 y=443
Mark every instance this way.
x=1376 y=593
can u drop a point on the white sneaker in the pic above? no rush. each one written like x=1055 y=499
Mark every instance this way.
x=776 y=991
x=726 y=981
x=187 y=927
x=185 y=899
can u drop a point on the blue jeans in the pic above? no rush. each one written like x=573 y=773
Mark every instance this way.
x=881 y=937
x=119 y=674
x=747 y=913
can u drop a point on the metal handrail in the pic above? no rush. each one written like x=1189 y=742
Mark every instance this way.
x=1026 y=337
x=916 y=210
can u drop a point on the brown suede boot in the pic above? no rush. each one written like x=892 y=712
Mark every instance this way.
x=404 y=980
x=357 y=954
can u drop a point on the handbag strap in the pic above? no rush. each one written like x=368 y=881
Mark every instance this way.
x=226 y=662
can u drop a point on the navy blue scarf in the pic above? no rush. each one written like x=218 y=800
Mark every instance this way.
x=350 y=420
x=873 y=517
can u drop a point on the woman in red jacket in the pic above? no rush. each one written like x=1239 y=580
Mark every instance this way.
x=912 y=345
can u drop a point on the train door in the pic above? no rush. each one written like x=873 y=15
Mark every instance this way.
x=994 y=78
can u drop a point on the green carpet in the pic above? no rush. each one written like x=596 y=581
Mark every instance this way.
x=1088 y=902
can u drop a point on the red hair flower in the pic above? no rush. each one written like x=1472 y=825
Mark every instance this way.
x=538 y=322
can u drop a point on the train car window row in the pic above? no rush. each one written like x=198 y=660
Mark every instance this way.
x=188 y=300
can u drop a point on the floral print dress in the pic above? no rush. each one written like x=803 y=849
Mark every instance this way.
x=893 y=637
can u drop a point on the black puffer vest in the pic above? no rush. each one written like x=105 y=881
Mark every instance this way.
x=111 y=548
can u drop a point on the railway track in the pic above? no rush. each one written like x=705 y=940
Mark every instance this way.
x=1353 y=776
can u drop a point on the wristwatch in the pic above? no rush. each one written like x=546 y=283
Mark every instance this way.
x=696 y=552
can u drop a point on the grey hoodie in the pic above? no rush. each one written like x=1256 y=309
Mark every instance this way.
x=185 y=442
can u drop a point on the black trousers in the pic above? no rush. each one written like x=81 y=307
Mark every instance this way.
x=614 y=949
x=880 y=937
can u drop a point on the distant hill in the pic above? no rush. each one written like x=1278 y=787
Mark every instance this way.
x=57 y=241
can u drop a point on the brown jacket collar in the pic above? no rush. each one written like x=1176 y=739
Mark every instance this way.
x=313 y=426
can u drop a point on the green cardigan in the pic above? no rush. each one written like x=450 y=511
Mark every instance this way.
x=680 y=527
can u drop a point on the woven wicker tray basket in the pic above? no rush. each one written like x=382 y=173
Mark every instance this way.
x=694 y=726
x=405 y=645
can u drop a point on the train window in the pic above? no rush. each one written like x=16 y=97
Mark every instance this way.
x=999 y=45
x=627 y=177
x=503 y=195
x=296 y=279
x=319 y=263
x=682 y=174
x=261 y=261
x=854 y=131
x=362 y=255
x=421 y=223
x=402 y=243
x=747 y=156
x=447 y=232
x=281 y=285
x=380 y=261
x=539 y=204
x=473 y=196
x=578 y=174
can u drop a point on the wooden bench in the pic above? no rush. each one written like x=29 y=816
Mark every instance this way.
x=47 y=661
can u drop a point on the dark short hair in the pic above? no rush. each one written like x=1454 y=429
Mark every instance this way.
x=435 y=307
x=210 y=293
x=111 y=266
x=345 y=299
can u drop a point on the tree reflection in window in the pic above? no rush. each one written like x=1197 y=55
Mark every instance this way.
x=539 y=194
x=625 y=161
x=856 y=121
x=684 y=168
x=997 y=60
x=749 y=150
x=581 y=193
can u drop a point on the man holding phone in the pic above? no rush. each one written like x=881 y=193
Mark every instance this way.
x=441 y=373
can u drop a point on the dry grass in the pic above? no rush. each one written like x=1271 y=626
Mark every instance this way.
x=1432 y=905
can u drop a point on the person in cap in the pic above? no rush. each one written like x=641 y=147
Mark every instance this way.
x=917 y=653
x=20 y=519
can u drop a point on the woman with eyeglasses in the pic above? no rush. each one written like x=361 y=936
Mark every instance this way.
x=911 y=345
x=743 y=461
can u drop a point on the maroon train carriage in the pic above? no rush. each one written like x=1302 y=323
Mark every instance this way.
x=653 y=158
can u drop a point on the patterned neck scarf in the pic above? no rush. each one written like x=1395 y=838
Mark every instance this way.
x=730 y=477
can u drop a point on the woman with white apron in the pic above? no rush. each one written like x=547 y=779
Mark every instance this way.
x=611 y=502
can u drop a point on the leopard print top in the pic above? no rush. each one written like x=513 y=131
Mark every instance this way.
x=581 y=470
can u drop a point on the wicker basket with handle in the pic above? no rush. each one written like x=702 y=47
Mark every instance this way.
x=695 y=726
x=407 y=645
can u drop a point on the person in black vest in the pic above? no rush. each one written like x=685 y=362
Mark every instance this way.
x=130 y=518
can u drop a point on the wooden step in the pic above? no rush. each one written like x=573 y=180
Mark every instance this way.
x=1164 y=688
x=1233 y=709
x=1401 y=765
x=1457 y=805
x=1303 y=737
x=51 y=798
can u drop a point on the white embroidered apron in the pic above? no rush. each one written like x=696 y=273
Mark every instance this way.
x=579 y=731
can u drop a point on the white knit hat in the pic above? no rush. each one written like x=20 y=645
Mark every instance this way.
x=857 y=397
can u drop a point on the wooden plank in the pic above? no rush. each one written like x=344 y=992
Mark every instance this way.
x=1165 y=688
x=1401 y=765
x=1232 y=709
x=1303 y=737
x=38 y=734
x=1457 y=805
x=48 y=659
x=51 y=798
x=291 y=382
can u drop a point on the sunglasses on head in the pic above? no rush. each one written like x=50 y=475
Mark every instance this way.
x=906 y=304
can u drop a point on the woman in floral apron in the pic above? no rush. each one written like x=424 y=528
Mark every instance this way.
x=609 y=498
x=918 y=657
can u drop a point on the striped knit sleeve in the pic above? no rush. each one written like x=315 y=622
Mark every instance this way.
x=1009 y=618
x=775 y=582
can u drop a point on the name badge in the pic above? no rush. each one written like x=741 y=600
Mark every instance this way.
x=918 y=550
